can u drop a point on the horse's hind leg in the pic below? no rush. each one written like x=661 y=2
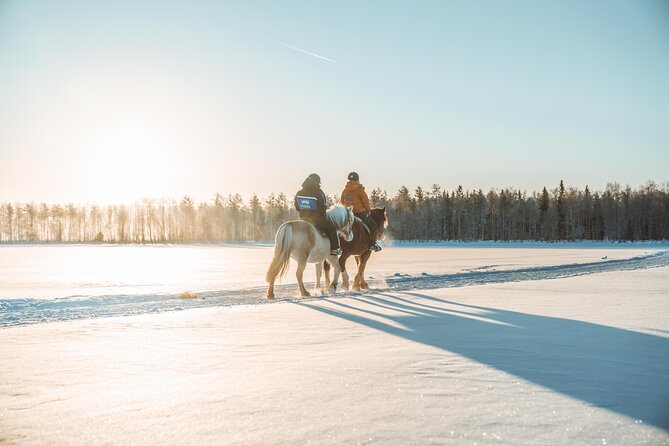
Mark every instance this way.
x=270 y=289
x=319 y=271
x=326 y=282
x=301 y=264
x=271 y=278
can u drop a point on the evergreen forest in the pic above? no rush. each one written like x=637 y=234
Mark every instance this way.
x=560 y=213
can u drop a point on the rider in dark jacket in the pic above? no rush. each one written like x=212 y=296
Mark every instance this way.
x=314 y=211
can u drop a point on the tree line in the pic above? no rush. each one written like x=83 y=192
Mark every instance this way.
x=617 y=213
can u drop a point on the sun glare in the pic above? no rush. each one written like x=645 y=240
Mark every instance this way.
x=132 y=165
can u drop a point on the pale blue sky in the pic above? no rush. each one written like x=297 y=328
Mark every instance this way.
x=108 y=101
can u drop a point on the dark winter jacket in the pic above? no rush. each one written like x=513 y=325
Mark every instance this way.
x=311 y=188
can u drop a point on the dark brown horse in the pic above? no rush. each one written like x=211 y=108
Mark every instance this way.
x=359 y=248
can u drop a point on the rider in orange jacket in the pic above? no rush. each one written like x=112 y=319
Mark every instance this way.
x=354 y=195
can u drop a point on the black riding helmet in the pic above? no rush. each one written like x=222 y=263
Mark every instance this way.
x=353 y=176
x=312 y=180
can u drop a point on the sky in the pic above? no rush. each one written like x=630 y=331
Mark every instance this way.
x=115 y=101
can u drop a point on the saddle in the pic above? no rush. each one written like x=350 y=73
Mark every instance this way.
x=356 y=219
x=320 y=230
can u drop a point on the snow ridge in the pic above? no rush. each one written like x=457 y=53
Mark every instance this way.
x=30 y=311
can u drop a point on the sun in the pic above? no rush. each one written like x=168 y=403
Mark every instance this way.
x=132 y=165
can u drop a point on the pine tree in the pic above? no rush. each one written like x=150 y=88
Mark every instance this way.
x=561 y=214
x=587 y=214
x=378 y=198
x=256 y=217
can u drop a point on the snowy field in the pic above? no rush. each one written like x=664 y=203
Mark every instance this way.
x=511 y=344
x=41 y=283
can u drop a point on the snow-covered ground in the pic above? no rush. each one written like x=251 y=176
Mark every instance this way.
x=475 y=345
x=41 y=283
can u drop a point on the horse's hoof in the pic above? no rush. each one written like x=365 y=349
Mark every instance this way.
x=364 y=286
x=306 y=294
x=270 y=296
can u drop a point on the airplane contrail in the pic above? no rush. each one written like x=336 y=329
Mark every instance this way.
x=305 y=51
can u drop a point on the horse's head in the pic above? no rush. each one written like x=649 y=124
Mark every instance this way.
x=379 y=217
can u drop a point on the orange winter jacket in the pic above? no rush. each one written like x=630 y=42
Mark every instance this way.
x=354 y=195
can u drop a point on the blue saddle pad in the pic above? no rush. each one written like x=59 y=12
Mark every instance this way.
x=307 y=203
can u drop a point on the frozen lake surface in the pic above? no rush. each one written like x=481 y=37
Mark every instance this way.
x=42 y=283
x=458 y=344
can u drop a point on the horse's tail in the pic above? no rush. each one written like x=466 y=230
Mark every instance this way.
x=281 y=259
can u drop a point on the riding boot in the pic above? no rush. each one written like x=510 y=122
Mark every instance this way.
x=373 y=234
x=334 y=241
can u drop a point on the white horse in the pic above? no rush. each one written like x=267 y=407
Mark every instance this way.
x=305 y=244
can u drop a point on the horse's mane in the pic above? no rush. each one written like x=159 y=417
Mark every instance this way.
x=337 y=215
x=379 y=215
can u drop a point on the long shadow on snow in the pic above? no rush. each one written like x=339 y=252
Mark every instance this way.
x=619 y=370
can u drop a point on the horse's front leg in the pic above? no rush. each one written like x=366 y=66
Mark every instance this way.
x=301 y=264
x=332 y=260
x=319 y=271
x=344 y=274
x=360 y=277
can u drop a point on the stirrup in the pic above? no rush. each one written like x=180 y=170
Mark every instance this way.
x=335 y=252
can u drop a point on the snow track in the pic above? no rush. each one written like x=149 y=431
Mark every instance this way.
x=483 y=277
x=29 y=311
